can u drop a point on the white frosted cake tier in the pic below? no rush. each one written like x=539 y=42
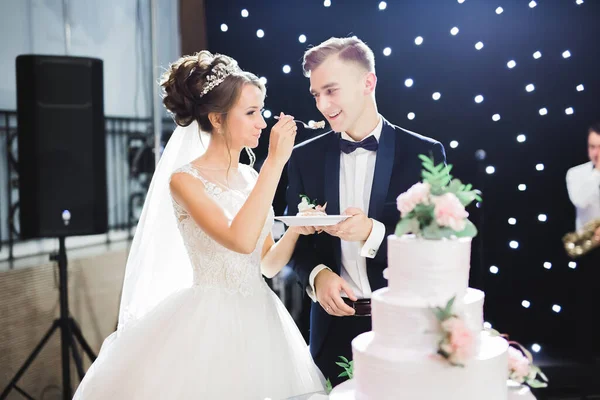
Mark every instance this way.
x=397 y=359
x=346 y=391
x=413 y=328
x=425 y=272
x=383 y=372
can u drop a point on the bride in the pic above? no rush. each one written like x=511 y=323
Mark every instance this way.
x=197 y=320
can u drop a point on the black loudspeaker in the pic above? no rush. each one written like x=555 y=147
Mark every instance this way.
x=62 y=146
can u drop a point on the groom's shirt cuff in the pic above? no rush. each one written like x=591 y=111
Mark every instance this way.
x=374 y=240
x=310 y=289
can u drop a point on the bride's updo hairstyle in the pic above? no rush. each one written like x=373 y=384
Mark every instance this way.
x=203 y=83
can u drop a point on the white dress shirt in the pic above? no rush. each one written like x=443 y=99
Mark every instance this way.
x=356 y=181
x=583 y=185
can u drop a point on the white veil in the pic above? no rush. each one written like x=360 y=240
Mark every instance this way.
x=158 y=264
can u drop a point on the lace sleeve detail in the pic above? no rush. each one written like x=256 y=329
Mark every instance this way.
x=210 y=187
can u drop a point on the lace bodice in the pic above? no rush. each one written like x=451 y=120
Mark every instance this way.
x=214 y=265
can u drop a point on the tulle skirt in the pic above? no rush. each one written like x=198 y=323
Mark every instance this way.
x=206 y=344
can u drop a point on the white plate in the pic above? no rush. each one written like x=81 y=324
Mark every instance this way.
x=312 y=220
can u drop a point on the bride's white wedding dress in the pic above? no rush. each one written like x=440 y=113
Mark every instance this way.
x=228 y=336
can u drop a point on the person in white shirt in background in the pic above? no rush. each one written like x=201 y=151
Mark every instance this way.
x=583 y=183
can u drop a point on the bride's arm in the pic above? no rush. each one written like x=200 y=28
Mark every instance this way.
x=276 y=255
x=244 y=231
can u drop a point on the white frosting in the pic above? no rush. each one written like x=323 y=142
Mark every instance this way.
x=414 y=329
x=347 y=391
x=397 y=359
x=304 y=205
x=316 y=125
x=384 y=373
x=428 y=272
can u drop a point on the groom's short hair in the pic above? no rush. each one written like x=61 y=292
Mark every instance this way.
x=348 y=49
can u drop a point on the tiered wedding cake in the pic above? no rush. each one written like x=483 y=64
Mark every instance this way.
x=398 y=360
x=428 y=340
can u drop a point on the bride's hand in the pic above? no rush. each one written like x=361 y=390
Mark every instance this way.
x=282 y=137
x=303 y=230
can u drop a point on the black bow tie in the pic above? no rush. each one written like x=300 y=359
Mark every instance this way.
x=369 y=143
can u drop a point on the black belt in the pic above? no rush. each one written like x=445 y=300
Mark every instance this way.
x=362 y=307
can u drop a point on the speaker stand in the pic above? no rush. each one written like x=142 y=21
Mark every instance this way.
x=68 y=331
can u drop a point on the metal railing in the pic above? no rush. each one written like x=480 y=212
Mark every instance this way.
x=130 y=164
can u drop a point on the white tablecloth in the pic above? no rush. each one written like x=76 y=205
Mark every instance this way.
x=311 y=396
x=345 y=391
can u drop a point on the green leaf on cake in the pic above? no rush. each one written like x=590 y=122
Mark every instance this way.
x=348 y=367
x=351 y=370
x=431 y=168
x=436 y=232
x=539 y=384
x=421 y=220
x=449 y=305
x=407 y=225
x=444 y=170
x=428 y=176
x=455 y=187
x=535 y=384
x=308 y=200
x=438 y=176
x=424 y=209
x=424 y=215
x=439 y=313
x=426 y=160
x=540 y=373
x=432 y=232
x=328 y=386
x=466 y=198
x=469 y=231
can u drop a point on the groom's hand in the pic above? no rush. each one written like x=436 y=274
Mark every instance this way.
x=303 y=230
x=329 y=286
x=357 y=228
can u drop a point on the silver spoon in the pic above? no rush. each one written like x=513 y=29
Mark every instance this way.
x=307 y=126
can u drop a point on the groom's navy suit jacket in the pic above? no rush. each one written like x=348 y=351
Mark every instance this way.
x=314 y=171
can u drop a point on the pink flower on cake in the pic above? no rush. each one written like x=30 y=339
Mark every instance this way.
x=450 y=212
x=434 y=209
x=446 y=347
x=457 y=341
x=463 y=343
x=521 y=368
x=460 y=342
x=518 y=366
x=451 y=324
x=417 y=194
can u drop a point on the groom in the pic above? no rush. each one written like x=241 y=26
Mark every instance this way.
x=358 y=168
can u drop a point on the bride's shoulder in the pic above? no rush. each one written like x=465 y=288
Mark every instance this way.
x=185 y=170
x=184 y=174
